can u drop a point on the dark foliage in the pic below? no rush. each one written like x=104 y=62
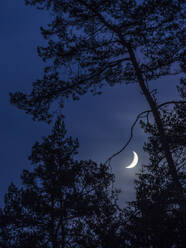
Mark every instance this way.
x=157 y=217
x=97 y=43
x=94 y=43
x=65 y=203
x=62 y=202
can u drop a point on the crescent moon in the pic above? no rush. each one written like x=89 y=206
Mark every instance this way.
x=134 y=161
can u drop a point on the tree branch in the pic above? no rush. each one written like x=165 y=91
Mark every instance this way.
x=133 y=125
x=170 y=102
x=131 y=135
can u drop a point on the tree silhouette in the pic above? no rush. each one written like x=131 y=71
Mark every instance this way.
x=94 y=43
x=62 y=202
x=156 y=218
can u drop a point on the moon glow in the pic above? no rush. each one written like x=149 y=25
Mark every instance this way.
x=134 y=161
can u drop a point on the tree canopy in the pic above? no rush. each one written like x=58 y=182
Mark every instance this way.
x=62 y=202
x=156 y=218
x=94 y=43
x=68 y=203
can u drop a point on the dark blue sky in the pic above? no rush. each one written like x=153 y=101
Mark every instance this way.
x=102 y=123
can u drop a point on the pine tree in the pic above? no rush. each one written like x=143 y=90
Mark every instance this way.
x=62 y=202
x=96 y=43
x=156 y=218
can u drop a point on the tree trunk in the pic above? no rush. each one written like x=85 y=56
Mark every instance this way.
x=157 y=118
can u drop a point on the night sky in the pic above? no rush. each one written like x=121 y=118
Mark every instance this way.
x=101 y=123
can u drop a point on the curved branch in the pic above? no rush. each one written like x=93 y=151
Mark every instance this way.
x=133 y=125
x=131 y=135
x=170 y=102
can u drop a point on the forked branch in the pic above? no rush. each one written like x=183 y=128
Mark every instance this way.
x=140 y=115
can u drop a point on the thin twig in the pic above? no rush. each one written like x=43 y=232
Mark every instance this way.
x=130 y=138
x=171 y=102
x=133 y=125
